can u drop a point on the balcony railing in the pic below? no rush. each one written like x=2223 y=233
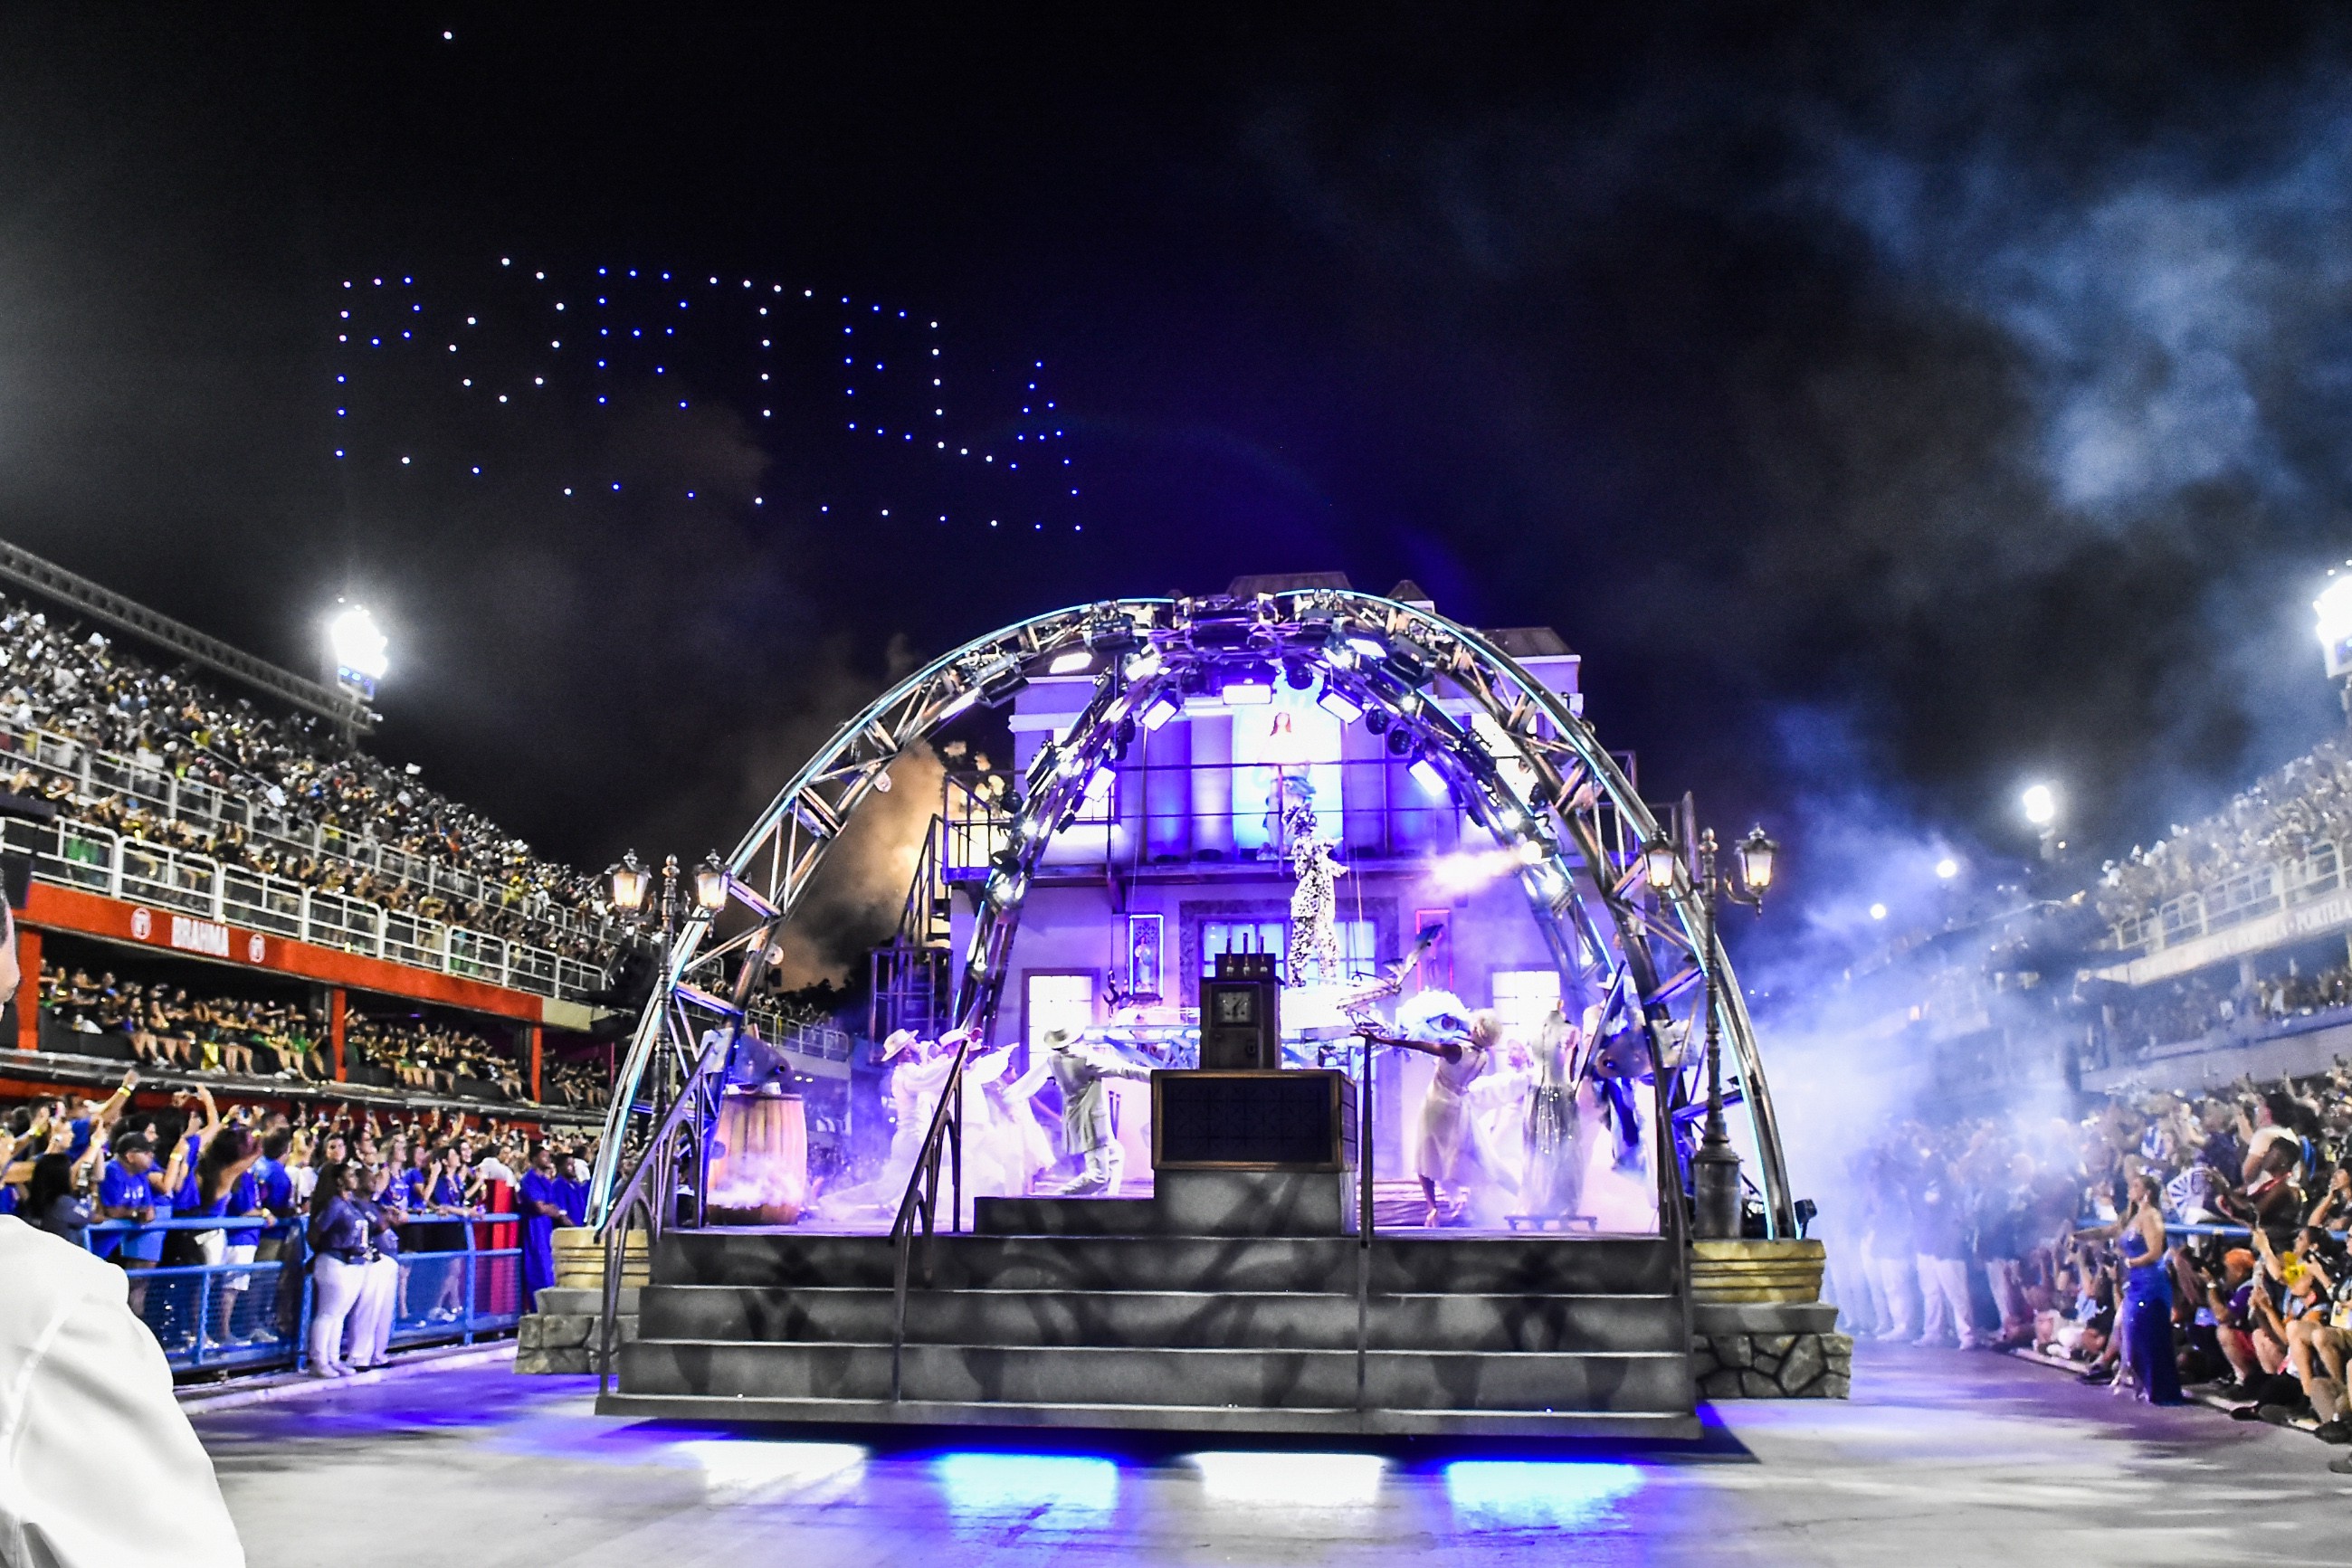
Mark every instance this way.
x=82 y=855
x=142 y=779
x=2244 y=895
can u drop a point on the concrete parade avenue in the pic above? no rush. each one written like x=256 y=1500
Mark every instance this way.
x=1939 y=1458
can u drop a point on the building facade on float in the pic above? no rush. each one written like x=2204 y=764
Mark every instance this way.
x=1180 y=856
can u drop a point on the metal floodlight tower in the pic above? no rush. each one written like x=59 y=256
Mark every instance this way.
x=1525 y=766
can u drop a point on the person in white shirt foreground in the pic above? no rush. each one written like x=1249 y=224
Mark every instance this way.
x=99 y=1467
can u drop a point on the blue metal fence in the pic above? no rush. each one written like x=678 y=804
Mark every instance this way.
x=248 y=1317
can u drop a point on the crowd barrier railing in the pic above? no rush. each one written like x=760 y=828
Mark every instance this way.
x=97 y=860
x=93 y=771
x=251 y=1317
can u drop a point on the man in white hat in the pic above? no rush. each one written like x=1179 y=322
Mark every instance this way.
x=1081 y=1071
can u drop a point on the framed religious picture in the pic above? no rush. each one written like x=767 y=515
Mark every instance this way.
x=1143 y=949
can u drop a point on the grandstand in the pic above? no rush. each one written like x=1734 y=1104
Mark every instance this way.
x=231 y=891
x=2221 y=951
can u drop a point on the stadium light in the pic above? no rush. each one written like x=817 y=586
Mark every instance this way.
x=358 y=646
x=2334 y=610
x=2041 y=803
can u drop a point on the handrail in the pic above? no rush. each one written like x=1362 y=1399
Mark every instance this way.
x=660 y=1158
x=1673 y=1202
x=922 y=1195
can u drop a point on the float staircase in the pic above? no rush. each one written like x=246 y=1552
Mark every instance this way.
x=1228 y=1302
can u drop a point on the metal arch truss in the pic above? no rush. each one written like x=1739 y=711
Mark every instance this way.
x=1525 y=766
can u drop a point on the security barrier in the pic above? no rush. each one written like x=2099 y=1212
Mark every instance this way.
x=256 y=1316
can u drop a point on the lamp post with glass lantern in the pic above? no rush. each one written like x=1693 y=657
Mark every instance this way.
x=1715 y=1167
x=630 y=885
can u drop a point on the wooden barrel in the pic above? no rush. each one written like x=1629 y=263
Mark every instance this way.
x=1728 y=1272
x=580 y=1260
x=758 y=1160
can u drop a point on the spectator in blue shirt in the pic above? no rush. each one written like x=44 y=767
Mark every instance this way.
x=339 y=1254
x=54 y=1205
x=123 y=1191
x=541 y=1203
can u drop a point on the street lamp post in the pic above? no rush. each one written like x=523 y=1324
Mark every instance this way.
x=630 y=885
x=1715 y=1167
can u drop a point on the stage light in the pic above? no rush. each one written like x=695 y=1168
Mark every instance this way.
x=1071 y=662
x=1376 y=719
x=1002 y=891
x=1291 y=1479
x=1339 y=704
x=1296 y=674
x=1162 y=707
x=1947 y=868
x=2041 y=803
x=710 y=884
x=629 y=882
x=737 y=1468
x=1250 y=685
x=1033 y=1487
x=1400 y=741
x=1367 y=648
x=1878 y=912
x=1522 y=1494
x=1144 y=665
x=1426 y=773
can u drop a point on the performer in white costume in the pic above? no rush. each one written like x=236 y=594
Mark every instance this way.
x=1081 y=1070
x=1553 y=1184
x=1448 y=1157
x=1314 y=927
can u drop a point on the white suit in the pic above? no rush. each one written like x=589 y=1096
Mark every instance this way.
x=98 y=1468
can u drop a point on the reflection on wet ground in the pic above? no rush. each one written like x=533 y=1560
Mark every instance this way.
x=1940 y=1457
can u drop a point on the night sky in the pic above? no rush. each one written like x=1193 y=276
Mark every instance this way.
x=1891 y=409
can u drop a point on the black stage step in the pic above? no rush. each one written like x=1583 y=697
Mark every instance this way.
x=1165 y=1329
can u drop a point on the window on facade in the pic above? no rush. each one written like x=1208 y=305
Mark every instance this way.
x=1357 y=948
x=1524 y=997
x=1058 y=1001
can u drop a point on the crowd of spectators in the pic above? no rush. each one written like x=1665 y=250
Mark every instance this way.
x=2281 y=819
x=160 y=1024
x=68 y=1165
x=2186 y=1009
x=1992 y=1234
x=58 y=676
x=576 y=1085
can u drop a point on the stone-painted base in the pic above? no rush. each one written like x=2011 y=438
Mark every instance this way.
x=562 y=1336
x=1772 y=1365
